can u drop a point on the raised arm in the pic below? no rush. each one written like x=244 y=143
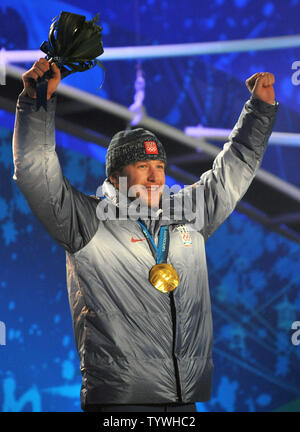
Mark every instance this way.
x=234 y=168
x=67 y=214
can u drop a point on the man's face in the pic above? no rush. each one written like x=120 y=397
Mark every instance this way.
x=145 y=179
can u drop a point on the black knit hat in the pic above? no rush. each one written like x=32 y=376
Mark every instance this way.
x=130 y=146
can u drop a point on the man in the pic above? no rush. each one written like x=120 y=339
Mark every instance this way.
x=140 y=301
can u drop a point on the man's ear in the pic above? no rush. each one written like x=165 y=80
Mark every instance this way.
x=114 y=179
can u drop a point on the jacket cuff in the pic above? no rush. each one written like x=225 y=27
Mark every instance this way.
x=31 y=102
x=263 y=107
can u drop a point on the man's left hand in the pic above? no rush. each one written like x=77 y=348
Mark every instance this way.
x=260 y=86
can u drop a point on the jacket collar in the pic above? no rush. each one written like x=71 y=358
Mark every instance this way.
x=165 y=214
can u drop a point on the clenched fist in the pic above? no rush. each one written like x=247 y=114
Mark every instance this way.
x=38 y=69
x=260 y=86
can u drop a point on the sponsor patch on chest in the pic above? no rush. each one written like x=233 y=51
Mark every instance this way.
x=185 y=235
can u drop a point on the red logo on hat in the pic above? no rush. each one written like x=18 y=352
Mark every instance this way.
x=151 y=147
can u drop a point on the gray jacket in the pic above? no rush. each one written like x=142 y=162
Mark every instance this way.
x=136 y=344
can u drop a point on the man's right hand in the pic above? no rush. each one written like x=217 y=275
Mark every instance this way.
x=38 y=70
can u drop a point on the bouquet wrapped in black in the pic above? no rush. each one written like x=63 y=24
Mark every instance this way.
x=74 y=45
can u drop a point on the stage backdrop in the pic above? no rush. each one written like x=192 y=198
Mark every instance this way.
x=207 y=90
x=254 y=273
x=254 y=280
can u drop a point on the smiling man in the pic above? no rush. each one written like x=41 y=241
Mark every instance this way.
x=138 y=286
x=140 y=157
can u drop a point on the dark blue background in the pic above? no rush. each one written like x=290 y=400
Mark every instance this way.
x=254 y=273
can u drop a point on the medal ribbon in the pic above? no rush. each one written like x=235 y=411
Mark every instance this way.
x=162 y=276
x=160 y=252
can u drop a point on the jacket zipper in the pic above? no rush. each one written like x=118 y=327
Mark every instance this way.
x=173 y=313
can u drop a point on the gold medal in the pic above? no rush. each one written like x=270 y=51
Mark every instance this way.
x=164 y=277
